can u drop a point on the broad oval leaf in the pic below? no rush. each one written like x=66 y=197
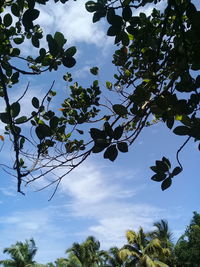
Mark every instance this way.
x=122 y=146
x=158 y=177
x=35 y=102
x=91 y=6
x=176 y=171
x=43 y=131
x=166 y=183
x=111 y=153
x=118 y=132
x=120 y=110
x=15 y=109
x=182 y=130
x=97 y=134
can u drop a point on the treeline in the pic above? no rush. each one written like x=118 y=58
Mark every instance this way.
x=143 y=249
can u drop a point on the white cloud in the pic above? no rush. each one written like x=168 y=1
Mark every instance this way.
x=73 y=21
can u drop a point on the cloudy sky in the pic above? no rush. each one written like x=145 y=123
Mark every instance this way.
x=100 y=198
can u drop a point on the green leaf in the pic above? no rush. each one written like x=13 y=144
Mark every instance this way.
x=18 y=40
x=182 y=130
x=120 y=110
x=166 y=183
x=94 y=70
x=4 y=117
x=15 y=10
x=54 y=122
x=176 y=171
x=53 y=45
x=118 y=132
x=68 y=62
x=111 y=153
x=7 y=20
x=35 y=102
x=91 y=6
x=42 y=131
x=109 y=85
x=15 y=109
x=71 y=51
x=35 y=41
x=60 y=39
x=122 y=146
x=21 y=120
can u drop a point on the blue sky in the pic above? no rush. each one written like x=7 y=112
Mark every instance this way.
x=100 y=198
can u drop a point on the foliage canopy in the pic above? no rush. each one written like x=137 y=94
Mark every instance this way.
x=157 y=61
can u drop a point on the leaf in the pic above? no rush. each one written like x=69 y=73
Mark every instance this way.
x=4 y=117
x=71 y=51
x=15 y=10
x=164 y=159
x=108 y=85
x=2 y=138
x=15 y=109
x=97 y=134
x=54 y=122
x=79 y=131
x=7 y=20
x=118 y=132
x=35 y=102
x=42 y=131
x=127 y=13
x=166 y=183
x=108 y=129
x=182 y=130
x=158 y=177
x=21 y=120
x=170 y=122
x=97 y=149
x=53 y=45
x=122 y=146
x=68 y=62
x=60 y=39
x=94 y=70
x=176 y=171
x=91 y=6
x=111 y=153
x=18 y=40
x=161 y=166
x=35 y=41
x=120 y=110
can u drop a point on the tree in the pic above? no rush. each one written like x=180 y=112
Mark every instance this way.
x=22 y=254
x=157 y=60
x=86 y=254
x=188 y=246
x=163 y=234
x=142 y=251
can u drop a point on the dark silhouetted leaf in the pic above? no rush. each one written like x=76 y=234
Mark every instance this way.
x=35 y=102
x=158 y=177
x=120 y=110
x=122 y=146
x=97 y=134
x=43 y=131
x=176 y=171
x=111 y=153
x=15 y=109
x=166 y=183
x=118 y=132
x=182 y=130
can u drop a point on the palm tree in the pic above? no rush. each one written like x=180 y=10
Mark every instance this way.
x=86 y=254
x=142 y=251
x=113 y=258
x=22 y=254
x=163 y=233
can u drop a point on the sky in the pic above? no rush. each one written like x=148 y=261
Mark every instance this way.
x=99 y=198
